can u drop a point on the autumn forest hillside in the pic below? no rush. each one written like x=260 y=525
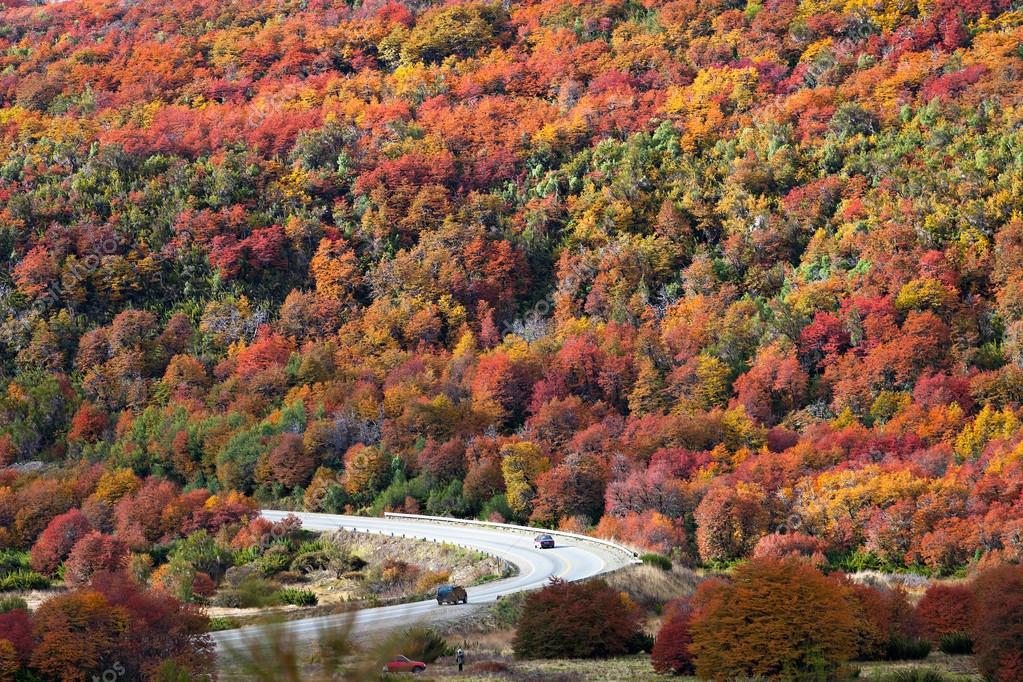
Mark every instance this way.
x=713 y=277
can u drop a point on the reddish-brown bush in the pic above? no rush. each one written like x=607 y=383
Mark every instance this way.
x=93 y=553
x=290 y=465
x=673 y=645
x=55 y=543
x=880 y=615
x=576 y=620
x=944 y=609
x=998 y=622
x=16 y=628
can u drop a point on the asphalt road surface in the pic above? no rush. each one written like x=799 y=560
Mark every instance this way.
x=570 y=560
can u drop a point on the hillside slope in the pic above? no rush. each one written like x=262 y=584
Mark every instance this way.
x=715 y=277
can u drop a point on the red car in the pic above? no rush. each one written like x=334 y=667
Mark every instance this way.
x=401 y=664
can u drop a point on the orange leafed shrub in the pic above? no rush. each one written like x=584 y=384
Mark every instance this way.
x=775 y=618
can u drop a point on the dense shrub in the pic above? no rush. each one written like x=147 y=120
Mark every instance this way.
x=12 y=560
x=23 y=580
x=575 y=620
x=307 y=562
x=903 y=648
x=296 y=597
x=249 y=593
x=16 y=628
x=780 y=545
x=944 y=609
x=956 y=643
x=672 y=650
x=425 y=644
x=56 y=541
x=9 y=663
x=78 y=634
x=998 y=622
x=274 y=560
x=93 y=553
x=775 y=618
x=881 y=615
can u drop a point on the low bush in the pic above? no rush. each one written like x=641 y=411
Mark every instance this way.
x=956 y=644
x=307 y=562
x=903 y=648
x=489 y=667
x=23 y=580
x=218 y=623
x=296 y=597
x=421 y=643
x=12 y=560
x=250 y=593
x=274 y=560
x=659 y=560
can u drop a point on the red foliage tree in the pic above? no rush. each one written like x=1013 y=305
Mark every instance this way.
x=139 y=517
x=160 y=628
x=998 y=622
x=774 y=386
x=94 y=553
x=290 y=464
x=672 y=647
x=77 y=635
x=782 y=545
x=945 y=609
x=573 y=488
x=16 y=628
x=88 y=424
x=55 y=543
x=445 y=461
x=730 y=520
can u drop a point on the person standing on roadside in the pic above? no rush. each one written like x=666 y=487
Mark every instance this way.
x=460 y=658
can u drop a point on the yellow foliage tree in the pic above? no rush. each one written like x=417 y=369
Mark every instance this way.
x=521 y=464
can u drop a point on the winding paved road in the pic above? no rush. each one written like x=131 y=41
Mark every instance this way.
x=571 y=560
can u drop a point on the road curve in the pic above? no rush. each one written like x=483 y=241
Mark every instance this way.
x=568 y=560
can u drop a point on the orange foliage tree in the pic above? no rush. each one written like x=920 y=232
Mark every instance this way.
x=776 y=618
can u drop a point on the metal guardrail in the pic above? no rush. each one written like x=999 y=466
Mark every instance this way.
x=632 y=554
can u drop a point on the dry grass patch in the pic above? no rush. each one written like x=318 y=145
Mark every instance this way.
x=651 y=587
